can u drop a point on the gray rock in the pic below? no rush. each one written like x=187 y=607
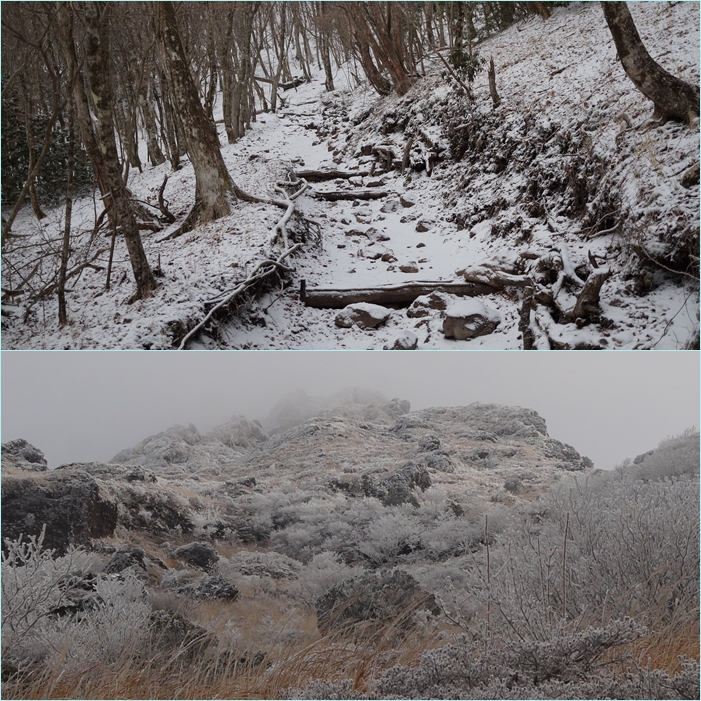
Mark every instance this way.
x=170 y=631
x=409 y=268
x=110 y=471
x=126 y=556
x=406 y=201
x=69 y=503
x=391 y=206
x=396 y=488
x=382 y=599
x=424 y=225
x=200 y=555
x=468 y=318
x=398 y=407
x=422 y=306
x=216 y=588
x=363 y=315
x=440 y=462
x=407 y=341
x=572 y=461
x=23 y=456
x=429 y=443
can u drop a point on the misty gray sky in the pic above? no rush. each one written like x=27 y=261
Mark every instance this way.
x=83 y=406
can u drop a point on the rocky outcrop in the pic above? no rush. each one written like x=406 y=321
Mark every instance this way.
x=183 y=450
x=200 y=555
x=391 y=487
x=70 y=504
x=111 y=472
x=384 y=599
x=216 y=588
x=20 y=455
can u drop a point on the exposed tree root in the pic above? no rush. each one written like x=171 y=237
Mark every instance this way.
x=265 y=267
x=262 y=270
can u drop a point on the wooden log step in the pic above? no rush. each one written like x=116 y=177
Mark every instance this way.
x=351 y=195
x=317 y=176
x=402 y=294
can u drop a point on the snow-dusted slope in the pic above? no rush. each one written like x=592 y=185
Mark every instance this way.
x=568 y=114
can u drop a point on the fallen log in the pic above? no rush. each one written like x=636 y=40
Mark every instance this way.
x=403 y=294
x=351 y=195
x=317 y=176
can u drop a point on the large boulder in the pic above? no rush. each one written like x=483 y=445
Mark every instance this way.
x=375 y=599
x=23 y=456
x=200 y=555
x=363 y=315
x=468 y=318
x=396 y=487
x=70 y=504
x=216 y=588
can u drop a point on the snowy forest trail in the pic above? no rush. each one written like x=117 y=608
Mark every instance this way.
x=566 y=171
x=363 y=244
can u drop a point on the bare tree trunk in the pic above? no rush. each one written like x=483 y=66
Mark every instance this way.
x=28 y=112
x=281 y=57
x=97 y=55
x=673 y=98
x=154 y=150
x=459 y=25
x=428 y=10
x=65 y=248
x=213 y=185
x=169 y=124
x=541 y=9
x=325 y=55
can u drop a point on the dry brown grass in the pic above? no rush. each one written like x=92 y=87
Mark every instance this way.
x=342 y=655
x=664 y=649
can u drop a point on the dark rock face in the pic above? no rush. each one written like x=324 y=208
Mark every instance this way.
x=126 y=556
x=390 y=596
x=153 y=511
x=391 y=488
x=169 y=630
x=572 y=461
x=439 y=461
x=429 y=443
x=216 y=588
x=23 y=456
x=108 y=471
x=200 y=555
x=69 y=503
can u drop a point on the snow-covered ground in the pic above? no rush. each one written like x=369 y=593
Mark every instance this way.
x=562 y=72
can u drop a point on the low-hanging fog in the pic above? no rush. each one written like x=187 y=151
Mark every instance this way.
x=88 y=406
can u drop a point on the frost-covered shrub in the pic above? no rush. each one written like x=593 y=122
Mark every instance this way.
x=323 y=572
x=41 y=618
x=30 y=586
x=262 y=564
x=389 y=598
x=475 y=668
x=673 y=457
x=643 y=684
x=633 y=546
